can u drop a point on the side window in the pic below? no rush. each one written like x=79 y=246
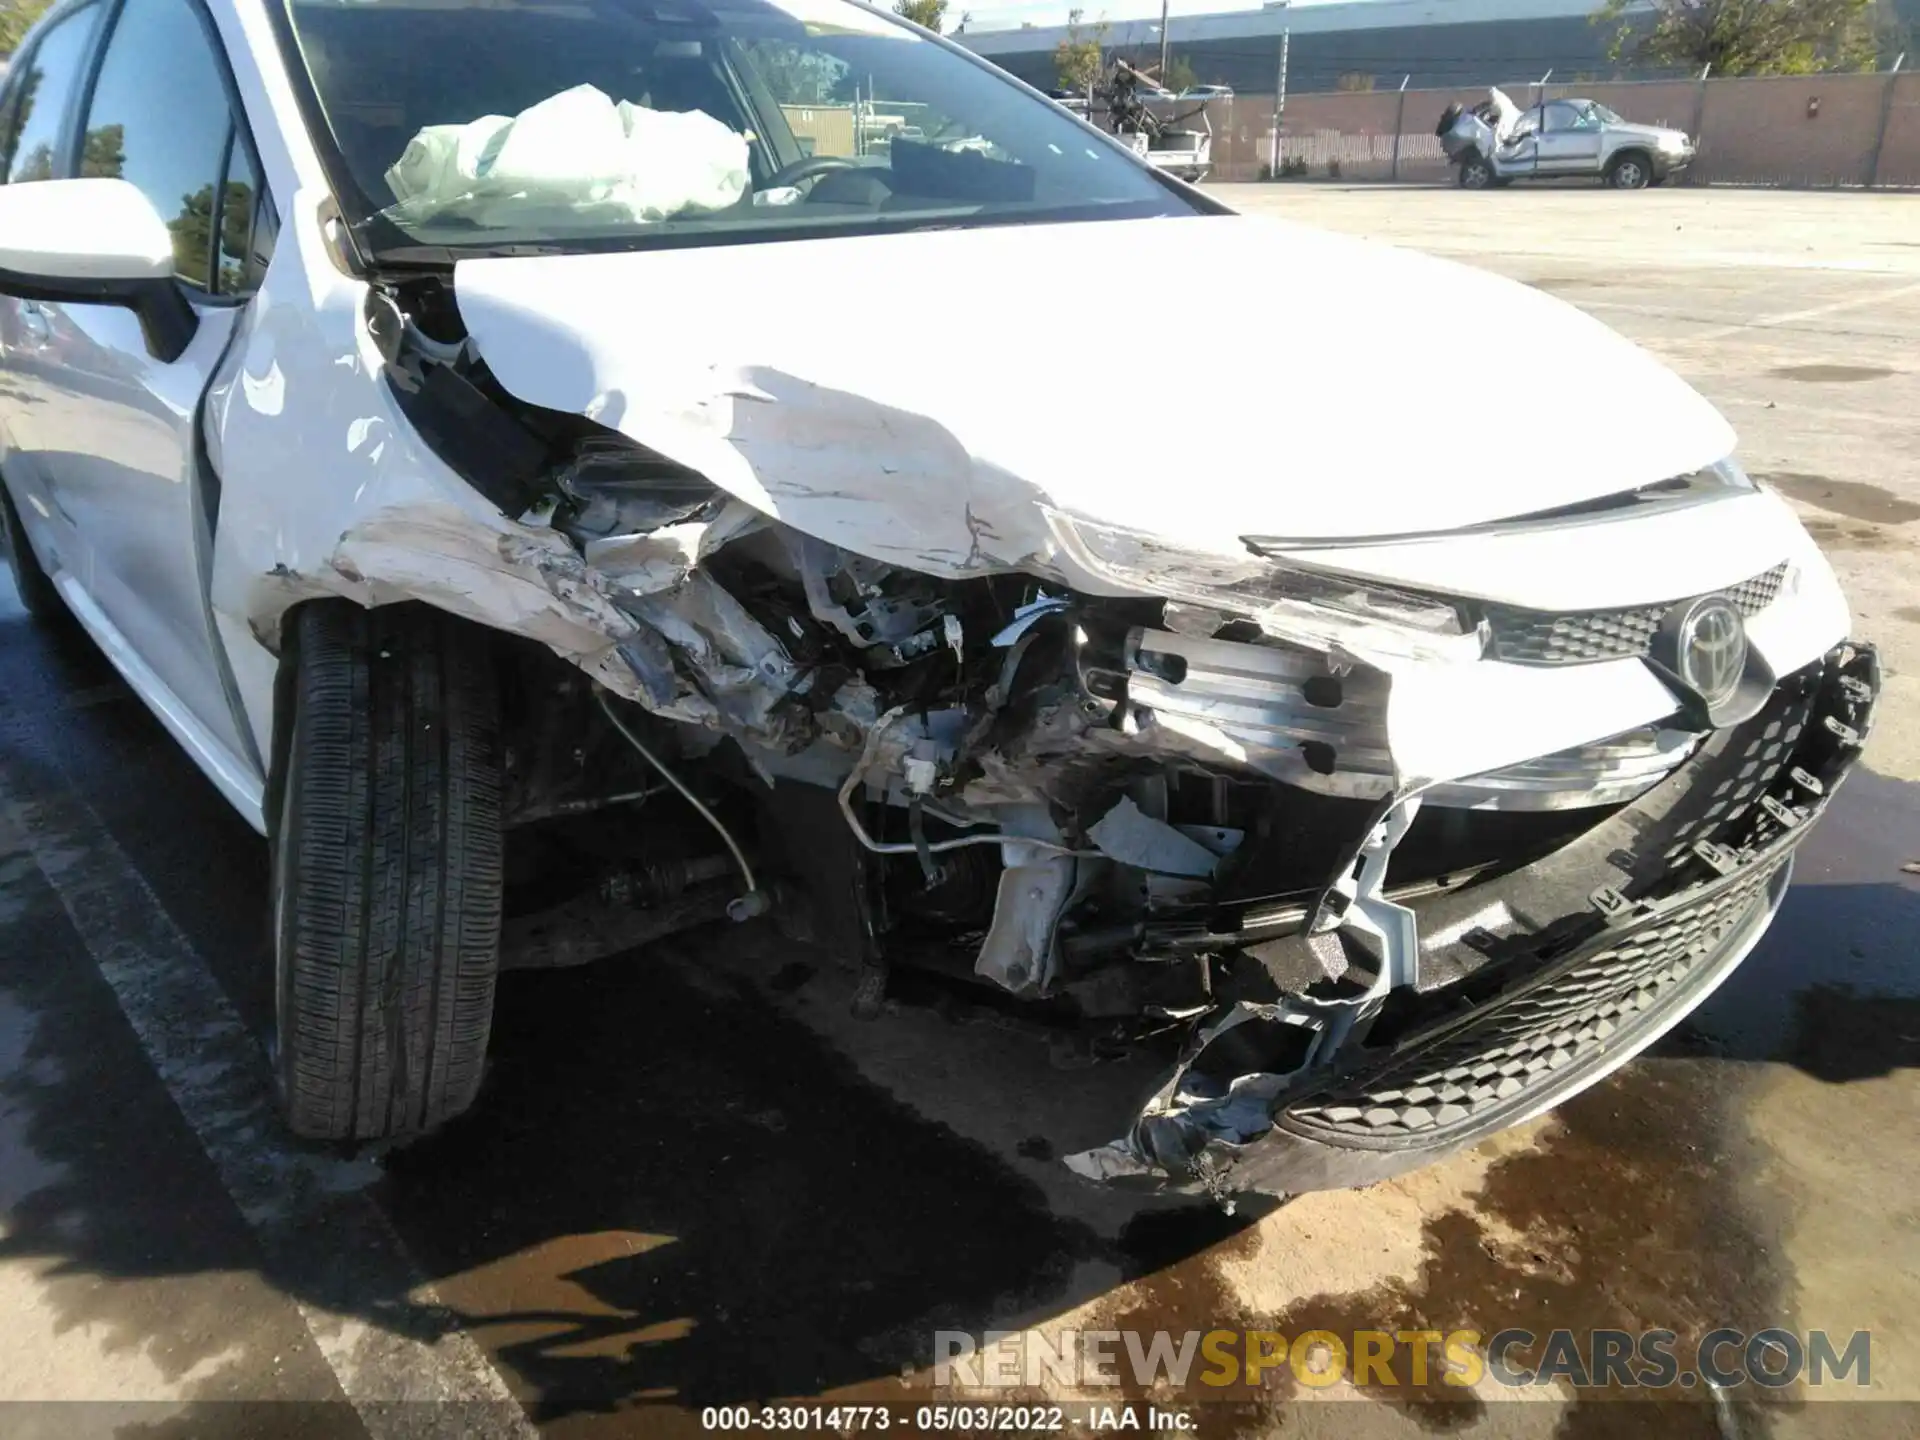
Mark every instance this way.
x=1560 y=116
x=159 y=118
x=247 y=224
x=42 y=95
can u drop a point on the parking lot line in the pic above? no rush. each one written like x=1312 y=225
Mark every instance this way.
x=396 y=1352
x=1812 y=312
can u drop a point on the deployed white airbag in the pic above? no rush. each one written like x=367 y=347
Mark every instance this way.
x=577 y=150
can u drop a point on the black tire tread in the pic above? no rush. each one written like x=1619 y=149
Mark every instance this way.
x=1460 y=172
x=391 y=862
x=1641 y=158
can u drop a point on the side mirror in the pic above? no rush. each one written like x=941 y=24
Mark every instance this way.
x=94 y=242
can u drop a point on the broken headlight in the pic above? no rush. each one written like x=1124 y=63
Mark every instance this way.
x=1319 y=608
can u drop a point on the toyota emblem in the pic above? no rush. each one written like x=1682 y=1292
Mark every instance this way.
x=1712 y=648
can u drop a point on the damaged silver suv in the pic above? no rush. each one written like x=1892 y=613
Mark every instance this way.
x=562 y=471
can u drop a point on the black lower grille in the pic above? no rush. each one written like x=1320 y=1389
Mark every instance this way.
x=1538 y=637
x=1522 y=1043
x=1687 y=880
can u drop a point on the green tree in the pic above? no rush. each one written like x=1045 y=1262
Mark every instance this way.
x=16 y=18
x=104 y=152
x=36 y=164
x=928 y=14
x=193 y=232
x=236 y=235
x=10 y=128
x=1179 y=75
x=797 y=76
x=1745 y=37
x=1354 y=80
x=1076 y=59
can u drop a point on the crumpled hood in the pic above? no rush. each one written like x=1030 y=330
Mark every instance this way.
x=919 y=398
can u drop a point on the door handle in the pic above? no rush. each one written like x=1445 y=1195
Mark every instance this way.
x=33 y=320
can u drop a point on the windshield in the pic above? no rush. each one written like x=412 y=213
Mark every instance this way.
x=477 y=125
x=1607 y=115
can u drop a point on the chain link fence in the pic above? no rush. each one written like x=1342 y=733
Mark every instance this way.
x=1806 y=131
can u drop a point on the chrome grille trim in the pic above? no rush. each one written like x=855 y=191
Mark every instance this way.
x=1585 y=637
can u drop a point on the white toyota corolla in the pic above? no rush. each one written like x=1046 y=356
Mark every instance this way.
x=570 y=470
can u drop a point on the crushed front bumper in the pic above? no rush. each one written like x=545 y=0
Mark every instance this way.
x=1609 y=944
x=1668 y=163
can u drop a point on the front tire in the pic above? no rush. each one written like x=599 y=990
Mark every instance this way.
x=1475 y=173
x=1631 y=171
x=387 y=875
x=37 y=593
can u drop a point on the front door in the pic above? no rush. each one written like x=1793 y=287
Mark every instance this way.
x=43 y=86
x=1516 y=155
x=118 y=442
x=1569 y=139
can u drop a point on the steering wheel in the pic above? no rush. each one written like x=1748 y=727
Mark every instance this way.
x=806 y=168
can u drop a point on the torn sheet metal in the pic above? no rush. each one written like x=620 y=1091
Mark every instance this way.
x=742 y=669
x=1019 y=952
x=813 y=427
x=1132 y=837
x=1191 y=1114
x=1025 y=617
x=927 y=465
x=378 y=517
x=645 y=563
x=1191 y=1125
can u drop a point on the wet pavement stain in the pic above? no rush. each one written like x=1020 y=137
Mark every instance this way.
x=1854 y=499
x=1844 y=937
x=674 y=1195
x=1548 y=1243
x=1832 y=374
x=1909 y=613
x=1175 y=1263
x=1832 y=535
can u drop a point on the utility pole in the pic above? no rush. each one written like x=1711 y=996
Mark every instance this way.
x=1280 y=99
x=1886 y=113
x=1164 y=38
x=1399 y=124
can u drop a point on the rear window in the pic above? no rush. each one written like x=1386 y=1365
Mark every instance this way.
x=619 y=123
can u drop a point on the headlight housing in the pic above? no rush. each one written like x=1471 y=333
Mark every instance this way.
x=1321 y=609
